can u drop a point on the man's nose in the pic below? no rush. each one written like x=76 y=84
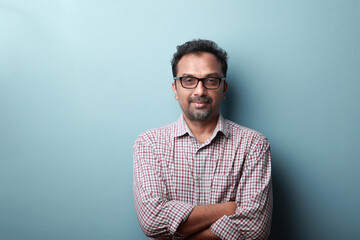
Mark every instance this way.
x=200 y=89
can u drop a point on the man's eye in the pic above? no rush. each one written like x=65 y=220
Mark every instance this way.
x=212 y=80
x=188 y=80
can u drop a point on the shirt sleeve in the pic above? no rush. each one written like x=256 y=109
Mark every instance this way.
x=158 y=216
x=252 y=219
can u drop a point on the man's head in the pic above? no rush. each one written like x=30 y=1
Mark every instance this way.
x=199 y=84
x=196 y=47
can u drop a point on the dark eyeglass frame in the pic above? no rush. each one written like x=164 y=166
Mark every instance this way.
x=199 y=80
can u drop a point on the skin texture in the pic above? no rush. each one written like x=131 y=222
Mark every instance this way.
x=205 y=103
x=200 y=65
x=203 y=216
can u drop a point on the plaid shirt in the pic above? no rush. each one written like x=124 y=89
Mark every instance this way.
x=173 y=173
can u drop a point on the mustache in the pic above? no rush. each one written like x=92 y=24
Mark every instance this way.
x=200 y=99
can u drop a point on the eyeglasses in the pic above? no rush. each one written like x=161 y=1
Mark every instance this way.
x=192 y=82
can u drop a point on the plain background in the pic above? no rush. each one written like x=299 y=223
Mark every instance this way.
x=80 y=80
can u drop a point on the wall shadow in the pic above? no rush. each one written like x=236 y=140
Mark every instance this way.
x=283 y=218
x=233 y=103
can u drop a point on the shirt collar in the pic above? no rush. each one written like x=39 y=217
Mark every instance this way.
x=181 y=128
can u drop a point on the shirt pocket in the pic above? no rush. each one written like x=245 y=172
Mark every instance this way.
x=224 y=188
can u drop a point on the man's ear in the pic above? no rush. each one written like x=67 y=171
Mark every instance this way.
x=173 y=85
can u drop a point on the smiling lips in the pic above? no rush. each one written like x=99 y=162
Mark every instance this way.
x=200 y=104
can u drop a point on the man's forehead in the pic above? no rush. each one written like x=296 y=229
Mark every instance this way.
x=199 y=54
x=201 y=63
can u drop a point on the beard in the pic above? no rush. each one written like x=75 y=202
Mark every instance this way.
x=198 y=114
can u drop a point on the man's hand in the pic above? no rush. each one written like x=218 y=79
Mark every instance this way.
x=203 y=216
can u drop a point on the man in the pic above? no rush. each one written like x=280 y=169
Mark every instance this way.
x=202 y=177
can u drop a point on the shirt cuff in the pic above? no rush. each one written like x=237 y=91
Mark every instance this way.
x=178 y=212
x=225 y=228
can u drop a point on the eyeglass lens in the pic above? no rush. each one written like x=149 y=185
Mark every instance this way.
x=192 y=82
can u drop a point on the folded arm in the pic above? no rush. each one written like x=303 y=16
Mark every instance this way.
x=203 y=216
x=158 y=217
x=252 y=219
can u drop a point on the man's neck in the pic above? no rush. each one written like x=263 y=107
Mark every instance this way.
x=202 y=130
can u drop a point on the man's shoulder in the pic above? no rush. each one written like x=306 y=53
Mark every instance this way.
x=157 y=134
x=238 y=131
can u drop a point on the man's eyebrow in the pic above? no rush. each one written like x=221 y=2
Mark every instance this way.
x=214 y=74
x=187 y=75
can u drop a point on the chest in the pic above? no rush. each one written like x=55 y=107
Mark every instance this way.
x=203 y=174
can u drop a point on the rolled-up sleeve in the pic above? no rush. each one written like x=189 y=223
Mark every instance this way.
x=158 y=216
x=252 y=219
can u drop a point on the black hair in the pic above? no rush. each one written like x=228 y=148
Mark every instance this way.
x=197 y=47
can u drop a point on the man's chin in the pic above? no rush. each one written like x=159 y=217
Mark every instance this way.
x=199 y=115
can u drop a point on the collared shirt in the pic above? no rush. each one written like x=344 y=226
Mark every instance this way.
x=173 y=173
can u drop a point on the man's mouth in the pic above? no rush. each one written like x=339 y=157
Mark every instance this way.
x=199 y=104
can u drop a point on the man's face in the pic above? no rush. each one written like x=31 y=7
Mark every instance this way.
x=199 y=103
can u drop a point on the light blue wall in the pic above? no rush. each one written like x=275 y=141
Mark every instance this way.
x=79 y=80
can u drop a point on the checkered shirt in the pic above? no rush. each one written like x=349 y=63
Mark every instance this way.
x=173 y=173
